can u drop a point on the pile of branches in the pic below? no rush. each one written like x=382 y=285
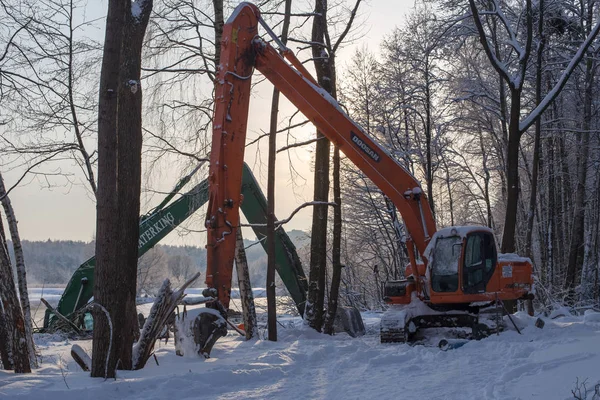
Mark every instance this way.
x=161 y=311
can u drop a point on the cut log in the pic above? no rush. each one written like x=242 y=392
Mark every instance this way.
x=81 y=357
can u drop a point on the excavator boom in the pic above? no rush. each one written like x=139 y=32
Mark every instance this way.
x=242 y=51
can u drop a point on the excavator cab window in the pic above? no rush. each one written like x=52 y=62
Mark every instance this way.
x=479 y=261
x=444 y=268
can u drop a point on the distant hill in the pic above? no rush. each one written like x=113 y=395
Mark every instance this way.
x=52 y=262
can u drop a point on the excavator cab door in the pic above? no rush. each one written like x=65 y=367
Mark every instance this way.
x=480 y=257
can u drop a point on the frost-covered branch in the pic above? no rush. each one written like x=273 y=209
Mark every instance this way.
x=553 y=94
x=347 y=28
x=299 y=144
x=496 y=63
x=288 y=219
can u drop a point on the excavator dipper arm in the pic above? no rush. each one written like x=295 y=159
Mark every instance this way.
x=242 y=50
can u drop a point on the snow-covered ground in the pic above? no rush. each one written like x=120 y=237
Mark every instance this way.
x=539 y=364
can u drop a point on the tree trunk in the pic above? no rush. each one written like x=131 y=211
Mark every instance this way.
x=14 y=323
x=486 y=184
x=271 y=295
x=5 y=348
x=576 y=247
x=246 y=296
x=538 y=134
x=428 y=134
x=324 y=66
x=5 y=343
x=512 y=174
x=21 y=272
x=218 y=27
x=271 y=300
x=336 y=256
x=121 y=132
x=512 y=182
x=106 y=206
x=129 y=178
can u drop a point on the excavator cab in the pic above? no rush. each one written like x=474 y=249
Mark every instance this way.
x=465 y=277
x=465 y=262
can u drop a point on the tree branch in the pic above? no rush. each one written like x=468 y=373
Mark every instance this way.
x=553 y=94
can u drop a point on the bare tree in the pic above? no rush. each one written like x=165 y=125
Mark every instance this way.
x=271 y=261
x=56 y=119
x=512 y=67
x=324 y=53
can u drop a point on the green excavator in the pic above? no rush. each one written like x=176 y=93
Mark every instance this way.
x=160 y=221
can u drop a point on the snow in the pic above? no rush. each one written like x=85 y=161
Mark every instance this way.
x=136 y=9
x=512 y=257
x=397 y=316
x=539 y=364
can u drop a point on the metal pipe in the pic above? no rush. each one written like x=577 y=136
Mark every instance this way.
x=275 y=38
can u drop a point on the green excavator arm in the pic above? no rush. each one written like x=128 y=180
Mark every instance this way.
x=158 y=223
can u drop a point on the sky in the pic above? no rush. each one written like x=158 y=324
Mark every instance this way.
x=68 y=213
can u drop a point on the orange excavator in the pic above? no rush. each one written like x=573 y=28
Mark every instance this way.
x=452 y=273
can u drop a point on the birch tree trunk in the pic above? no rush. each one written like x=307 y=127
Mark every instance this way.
x=246 y=296
x=21 y=272
x=336 y=256
x=5 y=348
x=14 y=323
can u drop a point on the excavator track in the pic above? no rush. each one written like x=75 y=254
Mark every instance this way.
x=393 y=335
x=402 y=326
